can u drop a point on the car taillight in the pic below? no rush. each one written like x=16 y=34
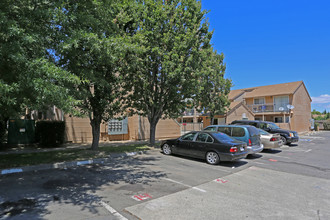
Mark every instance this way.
x=233 y=149
x=250 y=142
x=273 y=139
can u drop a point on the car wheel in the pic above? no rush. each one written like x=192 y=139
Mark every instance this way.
x=283 y=139
x=212 y=158
x=167 y=149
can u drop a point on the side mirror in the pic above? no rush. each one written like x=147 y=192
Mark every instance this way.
x=267 y=129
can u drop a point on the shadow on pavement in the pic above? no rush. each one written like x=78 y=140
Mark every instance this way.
x=26 y=194
x=271 y=151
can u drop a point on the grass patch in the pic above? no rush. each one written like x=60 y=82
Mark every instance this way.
x=27 y=159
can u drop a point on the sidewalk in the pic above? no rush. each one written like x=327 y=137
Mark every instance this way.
x=67 y=164
x=68 y=146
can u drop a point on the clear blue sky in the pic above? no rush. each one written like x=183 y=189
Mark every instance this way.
x=268 y=42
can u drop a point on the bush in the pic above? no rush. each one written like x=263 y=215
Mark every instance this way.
x=326 y=125
x=50 y=133
x=2 y=132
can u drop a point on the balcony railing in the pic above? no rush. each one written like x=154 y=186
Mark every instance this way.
x=269 y=108
x=190 y=112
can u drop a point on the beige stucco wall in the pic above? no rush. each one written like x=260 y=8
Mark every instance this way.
x=301 y=115
x=166 y=128
x=237 y=114
x=79 y=130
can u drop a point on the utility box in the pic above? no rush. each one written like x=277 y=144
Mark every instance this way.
x=21 y=131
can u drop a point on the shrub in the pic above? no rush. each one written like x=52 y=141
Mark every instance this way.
x=326 y=125
x=2 y=132
x=50 y=133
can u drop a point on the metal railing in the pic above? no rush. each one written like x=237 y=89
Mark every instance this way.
x=269 y=108
x=191 y=112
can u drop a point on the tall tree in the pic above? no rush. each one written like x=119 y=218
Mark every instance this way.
x=172 y=35
x=212 y=97
x=28 y=77
x=94 y=46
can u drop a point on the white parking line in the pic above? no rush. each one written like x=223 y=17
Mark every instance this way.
x=308 y=150
x=202 y=190
x=112 y=211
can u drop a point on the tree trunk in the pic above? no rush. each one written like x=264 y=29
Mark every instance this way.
x=96 y=124
x=153 y=125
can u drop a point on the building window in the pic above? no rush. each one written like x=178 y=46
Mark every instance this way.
x=259 y=101
x=281 y=103
x=278 y=119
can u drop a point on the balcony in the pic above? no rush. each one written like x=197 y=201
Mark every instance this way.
x=191 y=112
x=262 y=108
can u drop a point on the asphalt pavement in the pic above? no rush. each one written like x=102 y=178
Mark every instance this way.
x=290 y=183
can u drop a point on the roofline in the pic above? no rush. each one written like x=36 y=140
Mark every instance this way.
x=302 y=83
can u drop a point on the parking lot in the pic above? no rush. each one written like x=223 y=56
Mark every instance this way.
x=292 y=182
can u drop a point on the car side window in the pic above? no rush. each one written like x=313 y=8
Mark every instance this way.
x=225 y=130
x=202 y=137
x=253 y=124
x=209 y=139
x=210 y=129
x=188 y=137
x=263 y=125
x=238 y=132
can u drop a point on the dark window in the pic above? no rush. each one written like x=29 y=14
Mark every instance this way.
x=209 y=139
x=255 y=124
x=210 y=129
x=189 y=137
x=202 y=137
x=225 y=130
x=238 y=132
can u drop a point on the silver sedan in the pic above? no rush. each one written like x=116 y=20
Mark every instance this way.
x=270 y=141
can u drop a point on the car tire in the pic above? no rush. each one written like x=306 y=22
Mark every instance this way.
x=212 y=158
x=167 y=149
x=284 y=141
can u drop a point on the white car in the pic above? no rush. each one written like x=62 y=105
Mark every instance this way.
x=270 y=141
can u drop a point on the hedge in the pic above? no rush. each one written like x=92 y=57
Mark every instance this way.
x=50 y=133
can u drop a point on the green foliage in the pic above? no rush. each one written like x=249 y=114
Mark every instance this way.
x=213 y=90
x=29 y=79
x=94 y=46
x=172 y=36
x=314 y=112
x=50 y=133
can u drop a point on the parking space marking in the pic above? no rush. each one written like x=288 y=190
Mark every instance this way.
x=141 y=197
x=308 y=150
x=183 y=184
x=220 y=180
x=273 y=155
x=272 y=160
x=112 y=211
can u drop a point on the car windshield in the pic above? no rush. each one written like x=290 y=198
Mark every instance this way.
x=272 y=126
x=223 y=137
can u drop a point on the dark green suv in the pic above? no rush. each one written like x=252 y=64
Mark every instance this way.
x=287 y=136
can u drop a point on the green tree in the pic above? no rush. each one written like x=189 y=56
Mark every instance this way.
x=212 y=96
x=28 y=77
x=94 y=46
x=314 y=112
x=171 y=35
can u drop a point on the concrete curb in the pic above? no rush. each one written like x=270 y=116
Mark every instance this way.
x=64 y=165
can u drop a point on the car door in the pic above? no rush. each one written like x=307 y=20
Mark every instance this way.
x=183 y=145
x=200 y=145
